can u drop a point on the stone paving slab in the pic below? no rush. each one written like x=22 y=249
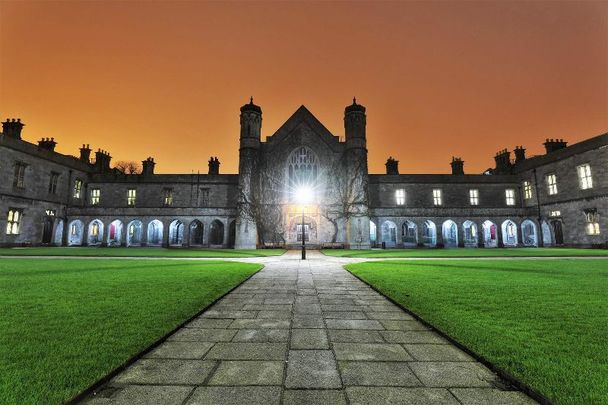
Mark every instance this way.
x=305 y=332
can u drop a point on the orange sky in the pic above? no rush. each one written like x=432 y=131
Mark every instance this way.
x=167 y=79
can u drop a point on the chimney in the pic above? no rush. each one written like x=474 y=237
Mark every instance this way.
x=85 y=153
x=551 y=145
x=392 y=166
x=148 y=166
x=520 y=154
x=457 y=166
x=503 y=161
x=214 y=165
x=47 y=143
x=12 y=128
x=102 y=161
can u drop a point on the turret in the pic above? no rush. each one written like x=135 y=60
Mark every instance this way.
x=148 y=166
x=251 y=125
x=12 y=128
x=85 y=153
x=392 y=166
x=457 y=166
x=354 y=125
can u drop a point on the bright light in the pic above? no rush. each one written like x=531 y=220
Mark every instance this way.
x=303 y=194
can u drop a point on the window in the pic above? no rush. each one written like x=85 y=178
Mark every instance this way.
x=204 y=197
x=437 y=196
x=302 y=171
x=131 y=196
x=474 y=197
x=95 y=195
x=306 y=232
x=584 y=177
x=510 y=196
x=551 y=184
x=74 y=229
x=95 y=229
x=13 y=221
x=167 y=197
x=593 y=221
x=77 y=188
x=400 y=196
x=53 y=183
x=555 y=213
x=19 y=178
x=527 y=190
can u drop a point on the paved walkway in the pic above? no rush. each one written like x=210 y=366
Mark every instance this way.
x=305 y=332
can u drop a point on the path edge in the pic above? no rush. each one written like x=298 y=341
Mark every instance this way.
x=512 y=380
x=90 y=390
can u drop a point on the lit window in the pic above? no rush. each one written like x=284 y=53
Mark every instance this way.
x=53 y=183
x=50 y=213
x=95 y=229
x=168 y=197
x=400 y=196
x=74 y=229
x=474 y=197
x=584 y=177
x=95 y=195
x=555 y=213
x=593 y=222
x=551 y=184
x=19 y=177
x=437 y=196
x=527 y=190
x=77 y=188
x=131 y=196
x=13 y=221
x=510 y=196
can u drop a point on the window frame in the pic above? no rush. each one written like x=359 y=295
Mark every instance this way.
x=437 y=197
x=13 y=226
x=551 y=180
x=474 y=196
x=167 y=196
x=131 y=197
x=19 y=175
x=77 y=189
x=510 y=197
x=53 y=180
x=400 y=196
x=585 y=178
x=94 y=200
x=527 y=187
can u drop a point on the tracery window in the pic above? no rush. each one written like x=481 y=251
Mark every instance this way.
x=302 y=170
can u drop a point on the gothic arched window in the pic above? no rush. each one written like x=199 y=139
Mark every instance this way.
x=302 y=169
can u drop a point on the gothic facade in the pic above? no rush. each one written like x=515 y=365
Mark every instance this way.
x=302 y=182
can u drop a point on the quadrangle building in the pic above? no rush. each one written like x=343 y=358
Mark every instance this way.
x=302 y=182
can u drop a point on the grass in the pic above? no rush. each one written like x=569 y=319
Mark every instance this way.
x=138 y=252
x=543 y=321
x=67 y=323
x=465 y=252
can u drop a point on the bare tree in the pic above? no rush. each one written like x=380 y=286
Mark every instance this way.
x=128 y=167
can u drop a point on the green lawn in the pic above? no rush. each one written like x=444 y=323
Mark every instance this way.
x=466 y=252
x=138 y=252
x=66 y=323
x=543 y=321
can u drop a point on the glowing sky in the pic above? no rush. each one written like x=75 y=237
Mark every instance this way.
x=166 y=79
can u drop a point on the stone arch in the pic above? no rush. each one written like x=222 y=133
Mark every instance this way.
x=134 y=233
x=429 y=234
x=449 y=230
x=216 y=232
x=155 y=233
x=373 y=232
x=490 y=234
x=409 y=233
x=529 y=235
x=75 y=233
x=95 y=233
x=547 y=238
x=58 y=234
x=389 y=233
x=115 y=233
x=469 y=231
x=509 y=233
x=197 y=232
x=176 y=233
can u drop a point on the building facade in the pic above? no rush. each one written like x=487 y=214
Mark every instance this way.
x=302 y=182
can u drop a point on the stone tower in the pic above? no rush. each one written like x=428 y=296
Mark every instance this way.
x=251 y=128
x=357 y=227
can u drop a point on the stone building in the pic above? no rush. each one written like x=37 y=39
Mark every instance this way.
x=302 y=182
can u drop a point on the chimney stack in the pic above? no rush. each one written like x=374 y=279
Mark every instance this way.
x=520 y=154
x=457 y=166
x=214 y=165
x=102 y=161
x=503 y=162
x=392 y=166
x=148 y=166
x=85 y=153
x=551 y=145
x=12 y=128
x=47 y=144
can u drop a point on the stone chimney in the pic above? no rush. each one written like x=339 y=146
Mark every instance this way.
x=85 y=153
x=214 y=165
x=520 y=154
x=457 y=166
x=503 y=162
x=47 y=143
x=102 y=161
x=392 y=166
x=551 y=145
x=12 y=128
x=148 y=166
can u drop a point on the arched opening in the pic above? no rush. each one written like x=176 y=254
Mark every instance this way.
x=509 y=233
x=429 y=234
x=469 y=230
x=95 y=234
x=47 y=229
x=155 y=233
x=372 y=233
x=231 y=234
x=135 y=231
x=528 y=233
x=302 y=171
x=558 y=232
x=547 y=239
x=490 y=235
x=449 y=230
x=76 y=233
x=409 y=234
x=196 y=233
x=216 y=233
x=115 y=233
x=58 y=235
x=389 y=234
x=176 y=233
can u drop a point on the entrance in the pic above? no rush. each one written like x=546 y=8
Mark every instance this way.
x=47 y=232
x=558 y=232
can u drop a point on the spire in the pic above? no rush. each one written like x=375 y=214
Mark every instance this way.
x=251 y=100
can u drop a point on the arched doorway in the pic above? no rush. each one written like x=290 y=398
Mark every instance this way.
x=372 y=232
x=490 y=234
x=231 y=234
x=409 y=233
x=176 y=233
x=389 y=233
x=134 y=233
x=450 y=233
x=196 y=233
x=58 y=235
x=469 y=229
x=47 y=229
x=509 y=233
x=216 y=233
x=429 y=234
x=547 y=240
x=558 y=232
x=115 y=233
x=95 y=234
x=528 y=233
x=76 y=233
x=155 y=233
